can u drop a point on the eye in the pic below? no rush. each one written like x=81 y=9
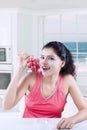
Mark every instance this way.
x=51 y=58
x=42 y=57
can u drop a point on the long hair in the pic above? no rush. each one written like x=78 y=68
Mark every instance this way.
x=65 y=55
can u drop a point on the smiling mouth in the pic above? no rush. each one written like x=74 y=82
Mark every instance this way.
x=45 y=68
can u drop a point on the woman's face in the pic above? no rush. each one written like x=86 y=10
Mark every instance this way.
x=50 y=62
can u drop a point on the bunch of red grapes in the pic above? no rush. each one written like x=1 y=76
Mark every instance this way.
x=33 y=64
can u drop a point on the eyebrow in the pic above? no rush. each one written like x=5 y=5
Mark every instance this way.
x=48 y=55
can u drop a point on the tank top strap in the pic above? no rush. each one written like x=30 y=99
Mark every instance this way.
x=60 y=83
x=39 y=79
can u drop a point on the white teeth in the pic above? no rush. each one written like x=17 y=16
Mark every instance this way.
x=45 y=68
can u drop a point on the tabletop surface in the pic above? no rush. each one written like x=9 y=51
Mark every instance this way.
x=35 y=124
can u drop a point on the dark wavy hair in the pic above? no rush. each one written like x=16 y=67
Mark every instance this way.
x=65 y=55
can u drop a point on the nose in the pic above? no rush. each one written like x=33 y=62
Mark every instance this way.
x=44 y=61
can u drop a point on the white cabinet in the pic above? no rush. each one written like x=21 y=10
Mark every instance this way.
x=66 y=27
x=52 y=24
x=7 y=36
x=5 y=27
x=62 y=23
x=82 y=23
x=68 y=23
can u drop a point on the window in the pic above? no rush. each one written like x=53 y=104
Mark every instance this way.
x=79 y=52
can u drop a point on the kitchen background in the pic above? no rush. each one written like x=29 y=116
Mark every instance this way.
x=25 y=26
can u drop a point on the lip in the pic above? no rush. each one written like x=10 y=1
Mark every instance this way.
x=45 y=68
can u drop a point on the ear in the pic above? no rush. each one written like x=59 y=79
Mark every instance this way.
x=63 y=63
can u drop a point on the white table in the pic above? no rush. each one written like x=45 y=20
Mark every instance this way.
x=35 y=124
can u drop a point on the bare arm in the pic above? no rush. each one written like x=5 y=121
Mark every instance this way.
x=79 y=102
x=17 y=86
x=15 y=91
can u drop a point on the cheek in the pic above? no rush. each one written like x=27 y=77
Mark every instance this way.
x=57 y=64
x=41 y=63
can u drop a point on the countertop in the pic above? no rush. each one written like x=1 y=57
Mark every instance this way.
x=35 y=124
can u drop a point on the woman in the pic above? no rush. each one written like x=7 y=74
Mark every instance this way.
x=46 y=91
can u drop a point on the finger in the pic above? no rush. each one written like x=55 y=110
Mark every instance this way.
x=61 y=122
x=69 y=125
x=64 y=124
x=24 y=55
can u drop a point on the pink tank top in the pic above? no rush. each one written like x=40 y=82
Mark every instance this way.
x=37 y=106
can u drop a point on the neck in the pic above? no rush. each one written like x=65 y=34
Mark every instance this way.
x=51 y=79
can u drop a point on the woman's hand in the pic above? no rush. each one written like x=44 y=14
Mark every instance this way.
x=66 y=123
x=23 y=59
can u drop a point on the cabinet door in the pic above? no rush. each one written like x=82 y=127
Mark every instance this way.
x=82 y=23
x=5 y=27
x=68 y=23
x=52 y=24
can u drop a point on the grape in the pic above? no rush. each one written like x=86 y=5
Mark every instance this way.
x=33 y=64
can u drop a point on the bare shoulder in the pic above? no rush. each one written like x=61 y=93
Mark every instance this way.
x=69 y=82
x=69 y=79
x=72 y=85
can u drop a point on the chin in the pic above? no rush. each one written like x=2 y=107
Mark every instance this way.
x=46 y=74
